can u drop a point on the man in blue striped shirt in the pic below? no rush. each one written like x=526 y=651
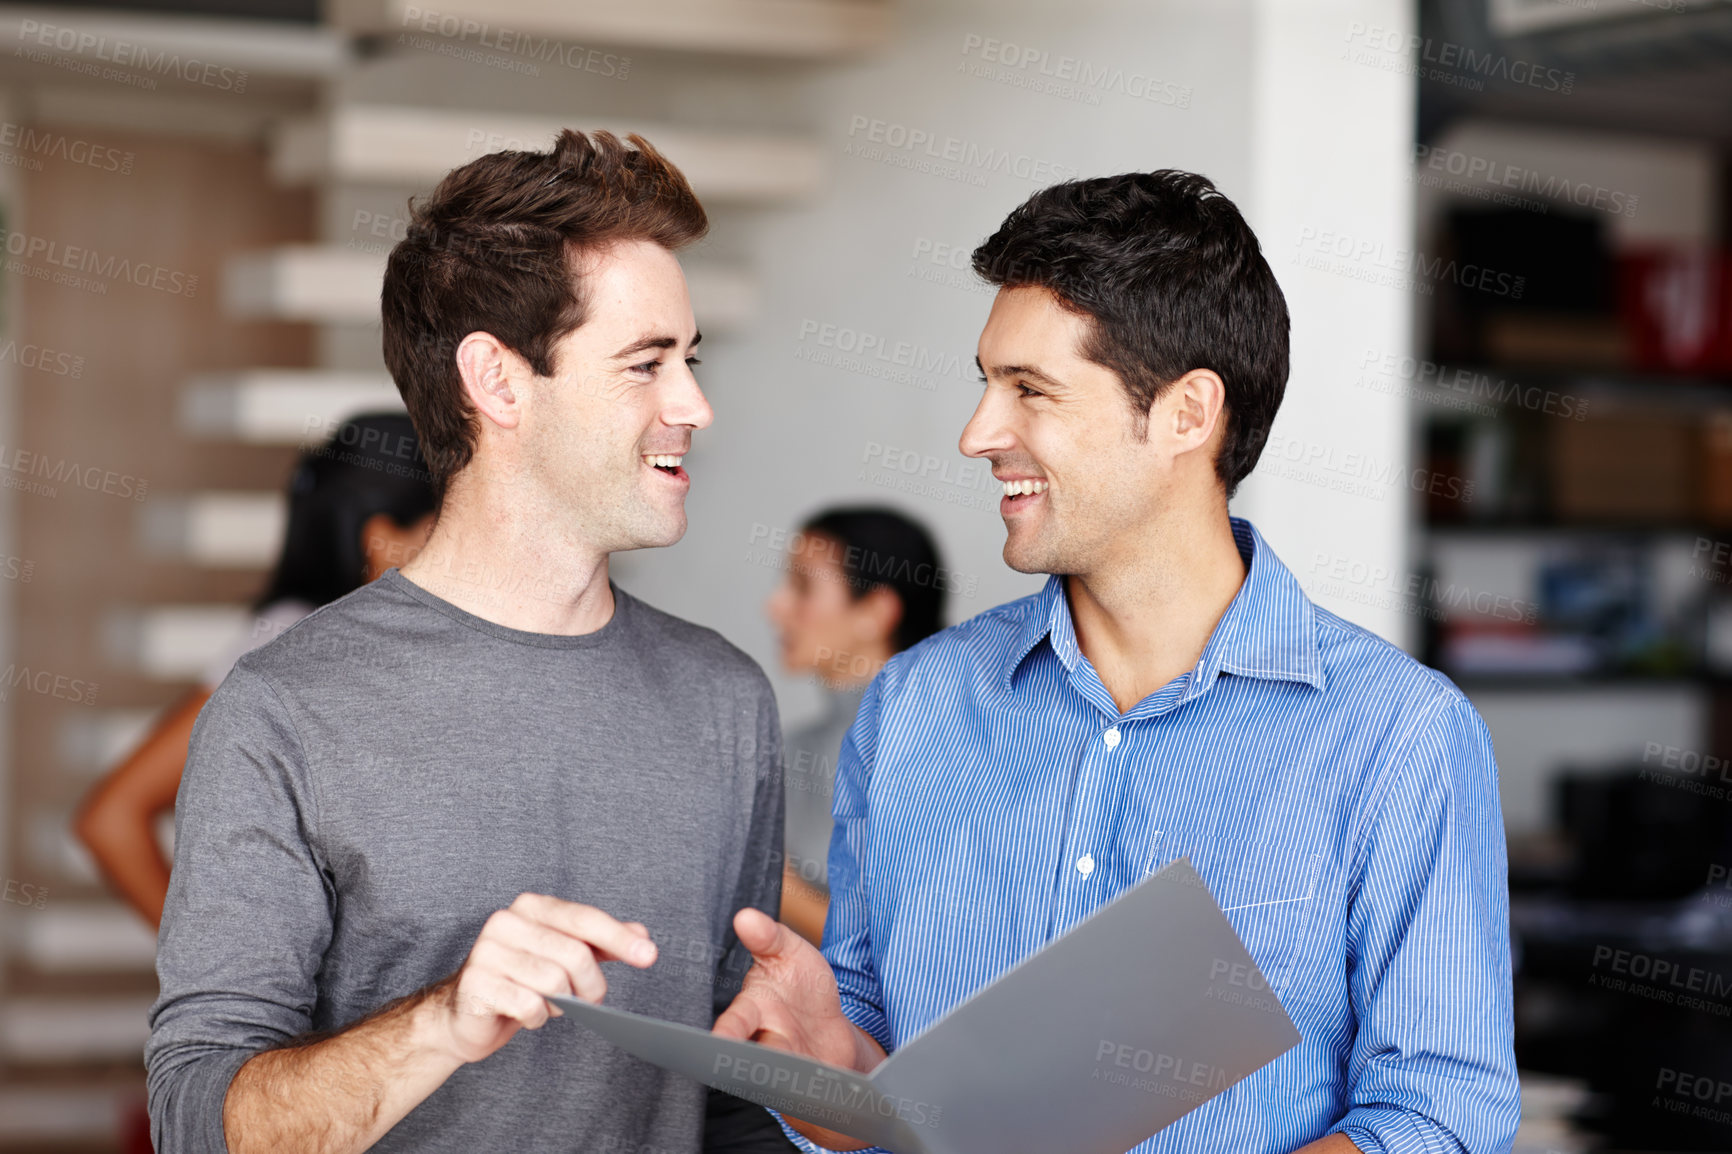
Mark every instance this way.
x=1170 y=692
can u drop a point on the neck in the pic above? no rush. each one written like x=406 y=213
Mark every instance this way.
x=491 y=555
x=1145 y=620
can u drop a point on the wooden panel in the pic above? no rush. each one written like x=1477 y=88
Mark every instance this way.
x=142 y=329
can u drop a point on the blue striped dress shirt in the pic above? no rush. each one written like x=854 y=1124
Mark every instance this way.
x=1339 y=798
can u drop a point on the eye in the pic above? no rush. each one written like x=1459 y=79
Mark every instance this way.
x=1024 y=391
x=649 y=368
x=693 y=362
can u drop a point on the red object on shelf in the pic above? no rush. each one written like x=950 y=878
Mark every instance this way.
x=1676 y=306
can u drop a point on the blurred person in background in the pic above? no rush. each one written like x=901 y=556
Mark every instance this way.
x=862 y=585
x=358 y=504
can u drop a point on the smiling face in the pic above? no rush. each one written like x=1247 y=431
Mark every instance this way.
x=611 y=425
x=1060 y=426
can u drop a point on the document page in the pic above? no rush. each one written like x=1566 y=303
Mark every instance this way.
x=1139 y=1014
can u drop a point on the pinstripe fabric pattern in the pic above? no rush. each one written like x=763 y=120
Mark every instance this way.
x=1339 y=799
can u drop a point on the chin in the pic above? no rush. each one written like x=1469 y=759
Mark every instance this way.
x=1025 y=553
x=657 y=536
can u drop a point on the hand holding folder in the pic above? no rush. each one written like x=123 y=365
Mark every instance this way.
x=1145 y=1010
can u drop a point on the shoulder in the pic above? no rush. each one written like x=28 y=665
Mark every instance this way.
x=965 y=652
x=1356 y=661
x=366 y=624
x=696 y=650
x=1435 y=742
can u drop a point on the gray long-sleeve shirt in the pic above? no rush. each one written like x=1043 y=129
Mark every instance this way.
x=363 y=792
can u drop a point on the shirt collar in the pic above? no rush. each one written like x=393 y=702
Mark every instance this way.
x=1268 y=631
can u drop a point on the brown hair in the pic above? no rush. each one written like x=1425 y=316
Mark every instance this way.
x=492 y=250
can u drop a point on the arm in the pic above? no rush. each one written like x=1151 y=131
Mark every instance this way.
x=116 y=823
x=1432 y=1065
x=231 y=1065
x=343 y=1093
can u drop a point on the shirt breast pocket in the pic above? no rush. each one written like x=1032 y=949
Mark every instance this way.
x=1267 y=890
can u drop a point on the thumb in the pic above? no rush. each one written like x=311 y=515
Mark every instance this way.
x=763 y=935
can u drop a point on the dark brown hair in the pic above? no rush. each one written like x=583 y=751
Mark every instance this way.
x=493 y=250
x=1171 y=278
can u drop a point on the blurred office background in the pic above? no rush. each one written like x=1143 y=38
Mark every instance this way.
x=1507 y=444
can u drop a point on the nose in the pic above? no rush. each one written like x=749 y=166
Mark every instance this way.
x=985 y=432
x=687 y=405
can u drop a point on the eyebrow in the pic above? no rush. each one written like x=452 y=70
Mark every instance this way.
x=1028 y=371
x=653 y=342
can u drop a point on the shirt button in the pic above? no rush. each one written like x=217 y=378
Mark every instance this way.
x=1085 y=865
x=1111 y=737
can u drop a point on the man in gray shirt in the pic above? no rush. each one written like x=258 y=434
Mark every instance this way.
x=467 y=785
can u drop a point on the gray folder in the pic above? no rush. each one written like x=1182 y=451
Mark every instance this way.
x=1145 y=1010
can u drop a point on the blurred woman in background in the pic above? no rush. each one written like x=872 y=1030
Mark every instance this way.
x=862 y=585
x=358 y=505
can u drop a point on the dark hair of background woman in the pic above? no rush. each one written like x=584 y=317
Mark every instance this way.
x=372 y=464
x=889 y=550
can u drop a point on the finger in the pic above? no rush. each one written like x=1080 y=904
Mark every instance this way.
x=612 y=938
x=538 y=973
x=764 y=936
x=576 y=959
x=488 y=993
x=743 y=1018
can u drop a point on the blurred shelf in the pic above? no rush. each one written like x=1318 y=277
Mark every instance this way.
x=1574 y=528
x=1550 y=683
x=61 y=1030
x=221 y=530
x=254 y=47
x=172 y=642
x=281 y=406
x=415 y=147
x=91 y=741
x=332 y=284
x=84 y=937
x=796 y=29
x=306 y=282
x=1623 y=385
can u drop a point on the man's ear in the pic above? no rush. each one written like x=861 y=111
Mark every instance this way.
x=488 y=370
x=1196 y=404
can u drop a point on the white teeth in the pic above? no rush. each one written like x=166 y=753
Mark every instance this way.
x=1023 y=488
x=664 y=460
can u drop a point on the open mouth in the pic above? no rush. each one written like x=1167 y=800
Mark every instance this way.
x=1021 y=493
x=666 y=463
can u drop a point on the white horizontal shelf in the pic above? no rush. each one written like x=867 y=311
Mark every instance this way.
x=90 y=742
x=219 y=529
x=172 y=642
x=795 y=29
x=282 y=406
x=63 y=1030
x=245 y=47
x=83 y=937
x=415 y=147
x=304 y=282
x=332 y=284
